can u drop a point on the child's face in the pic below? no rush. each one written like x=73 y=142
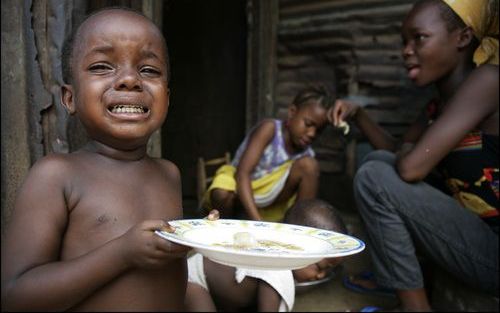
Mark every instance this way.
x=120 y=88
x=429 y=49
x=316 y=271
x=306 y=123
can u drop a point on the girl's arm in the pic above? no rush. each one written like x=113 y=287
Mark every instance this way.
x=473 y=103
x=268 y=299
x=257 y=142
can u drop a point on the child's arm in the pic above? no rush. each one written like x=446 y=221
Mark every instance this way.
x=475 y=102
x=257 y=142
x=33 y=275
x=267 y=297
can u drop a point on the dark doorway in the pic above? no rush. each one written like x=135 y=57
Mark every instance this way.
x=207 y=46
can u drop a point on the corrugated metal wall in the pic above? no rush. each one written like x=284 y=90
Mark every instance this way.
x=354 y=48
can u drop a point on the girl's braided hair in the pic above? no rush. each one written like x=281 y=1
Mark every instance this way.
x=318 y=94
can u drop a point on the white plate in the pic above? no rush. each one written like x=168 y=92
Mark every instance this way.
x=294 y=246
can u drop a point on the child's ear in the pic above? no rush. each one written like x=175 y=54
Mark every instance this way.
x=67 y=98
x=465 y=38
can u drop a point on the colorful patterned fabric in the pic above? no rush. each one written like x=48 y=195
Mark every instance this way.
x=265 y=190
x=274 y=154
x=471 y=172
x=482 y=17
x=268 y=177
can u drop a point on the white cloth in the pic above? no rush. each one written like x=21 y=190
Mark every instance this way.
x=196 y=274
x=281 y=280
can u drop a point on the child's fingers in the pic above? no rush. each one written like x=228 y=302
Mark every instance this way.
x=213 y=215
x=153 y=225
x=171 y=248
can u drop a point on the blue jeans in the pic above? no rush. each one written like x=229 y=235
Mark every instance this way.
x=401 y=216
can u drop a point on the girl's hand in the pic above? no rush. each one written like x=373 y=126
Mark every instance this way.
x=342 y=110
x=142 y=248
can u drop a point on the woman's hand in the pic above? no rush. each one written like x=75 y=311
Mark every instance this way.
x=342 y=110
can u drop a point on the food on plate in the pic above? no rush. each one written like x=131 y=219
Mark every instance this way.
x=244 y=239
x=344 y=126
x=247 y=241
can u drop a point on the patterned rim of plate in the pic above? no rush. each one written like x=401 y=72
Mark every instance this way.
x=343 y=244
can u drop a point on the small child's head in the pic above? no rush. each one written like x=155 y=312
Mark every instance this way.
x=319 y=214
x=307 y=115
x=116 y=72
x=436 y=40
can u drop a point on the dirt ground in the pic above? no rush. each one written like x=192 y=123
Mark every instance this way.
x=333 y=296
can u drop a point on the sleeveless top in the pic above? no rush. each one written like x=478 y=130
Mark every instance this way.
x=471 y=172
x=274 y=153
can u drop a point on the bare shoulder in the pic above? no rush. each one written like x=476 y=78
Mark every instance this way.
x=168 y=178
x=167 y=167
x=487 y=74
x=267 y=123
x=53 y=166
x=169 y=173
x=264 y=129
x=483 y=87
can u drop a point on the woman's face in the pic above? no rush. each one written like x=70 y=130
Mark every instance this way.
x=429 y=49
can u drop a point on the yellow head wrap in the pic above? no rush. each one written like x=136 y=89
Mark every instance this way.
x=482 y=17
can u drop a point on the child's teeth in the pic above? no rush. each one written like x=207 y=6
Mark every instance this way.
x=127 y=109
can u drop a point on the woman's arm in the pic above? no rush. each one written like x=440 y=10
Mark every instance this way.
x=257 y=142
x=378 y=137
x=474 y=102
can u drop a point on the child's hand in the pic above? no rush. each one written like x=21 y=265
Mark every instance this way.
x=143 y=248
x=213 y=215
x=341 y=110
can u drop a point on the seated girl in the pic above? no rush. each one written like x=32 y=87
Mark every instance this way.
x=274 y=166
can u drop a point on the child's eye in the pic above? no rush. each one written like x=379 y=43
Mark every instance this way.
x=148 y=70
x=420 y=37
x=100 y=68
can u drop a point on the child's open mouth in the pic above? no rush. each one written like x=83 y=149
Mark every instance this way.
x=128 y=109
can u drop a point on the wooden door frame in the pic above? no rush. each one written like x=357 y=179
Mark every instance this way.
x=262 y=23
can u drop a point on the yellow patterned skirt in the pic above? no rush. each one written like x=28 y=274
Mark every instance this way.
x=265 y=190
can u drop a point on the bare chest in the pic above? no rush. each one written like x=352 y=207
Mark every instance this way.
x=105 y=204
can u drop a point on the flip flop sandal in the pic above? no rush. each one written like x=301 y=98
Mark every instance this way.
x=367 y=275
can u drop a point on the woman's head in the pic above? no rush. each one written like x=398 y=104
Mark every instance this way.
x=435 y=42
x=482 y=17
x=443 y=36
x=307 y=115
